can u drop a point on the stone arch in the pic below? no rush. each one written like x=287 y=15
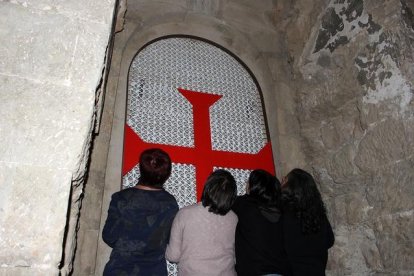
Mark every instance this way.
x=205 y=28
x=158 y=73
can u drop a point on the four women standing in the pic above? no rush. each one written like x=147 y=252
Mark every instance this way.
x=274 y=230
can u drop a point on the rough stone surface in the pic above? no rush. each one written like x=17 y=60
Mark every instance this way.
x=355 y=109
x=337 y=80
x=51 y=59
x=339 y=83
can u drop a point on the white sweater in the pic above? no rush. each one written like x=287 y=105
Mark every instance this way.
x=202 y=243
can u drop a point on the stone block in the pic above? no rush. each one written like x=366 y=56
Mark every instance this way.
x=291 y=154
x=88 y=58
x=395 y=239
x=351 y=208
x=392 y=188
x=270 y=43
x=35 y=212
x=26 y=53
x=343 y=129
x=94 y=11
x=144 y=11
x=86 y=257
x=262 y=5
x=245 y=19
x=75 y=48
x=409 y=130
x=341 y=166
x=28 y=271
x=381 y=146
x=347 y=255
x=211 y=8
x=52 y=121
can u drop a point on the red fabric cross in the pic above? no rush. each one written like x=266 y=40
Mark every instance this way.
x=201 y=155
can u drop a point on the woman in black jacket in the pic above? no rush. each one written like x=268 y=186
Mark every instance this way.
x=307 y=232
x=259 y=238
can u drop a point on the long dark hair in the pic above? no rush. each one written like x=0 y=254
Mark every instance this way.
x=219 y=192
x=301 y=196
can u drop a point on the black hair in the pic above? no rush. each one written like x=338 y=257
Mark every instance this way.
x=219 y=192
x=155 y=167
x=264 y=187
x=301 y=196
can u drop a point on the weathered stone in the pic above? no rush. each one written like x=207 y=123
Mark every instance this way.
x=24 y=53
x=88 y=60
x=29 y=213
x=347 y=256
x=248 y=20
x=99 y=11
x=342 y=129
x=351 y=208
x=338 y=92
x=395 y=240
x=391 y=188
x=381 y=147
x=206 y=7
x=341 y=165
x=40 y=116
x=49 y=73
x=137 y=12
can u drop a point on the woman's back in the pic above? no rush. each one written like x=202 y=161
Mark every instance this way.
x=259 y=238
x=307 y=232
x=137 y=228
x=307 y=253
x=202 y=235
x=202 y=242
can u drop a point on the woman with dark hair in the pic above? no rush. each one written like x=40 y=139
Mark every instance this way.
x=202 y=235
x=139 y=220
x=307 y=232
x=259 y=237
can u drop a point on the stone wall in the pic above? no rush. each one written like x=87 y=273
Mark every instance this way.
x=247 y=29
x=52 y=55
x=336 y=78
x=354 y=79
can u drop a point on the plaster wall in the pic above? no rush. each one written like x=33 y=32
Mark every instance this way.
x=52 y=55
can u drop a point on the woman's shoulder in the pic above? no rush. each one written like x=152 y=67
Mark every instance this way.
x=196 y=207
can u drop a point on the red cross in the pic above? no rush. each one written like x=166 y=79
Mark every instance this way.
x=202 y=156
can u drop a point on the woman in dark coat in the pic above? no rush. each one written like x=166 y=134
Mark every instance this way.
x=139 y=221
x=259 y=232
x=307 y=232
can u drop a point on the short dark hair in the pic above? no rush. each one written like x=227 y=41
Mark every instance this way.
x=264 y=187
x=219 y=192
x=154 y=167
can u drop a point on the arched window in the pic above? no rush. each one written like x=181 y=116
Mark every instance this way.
x=159 y=113
x=202 y=106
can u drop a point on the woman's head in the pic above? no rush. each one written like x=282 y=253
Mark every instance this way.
x=219 y=192
x=264 y=187
x=301 y=195
x=155 y=167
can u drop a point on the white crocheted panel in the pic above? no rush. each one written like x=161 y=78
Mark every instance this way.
x=158 y=113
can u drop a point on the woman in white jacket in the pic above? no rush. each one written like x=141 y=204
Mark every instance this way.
x=202 y=235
